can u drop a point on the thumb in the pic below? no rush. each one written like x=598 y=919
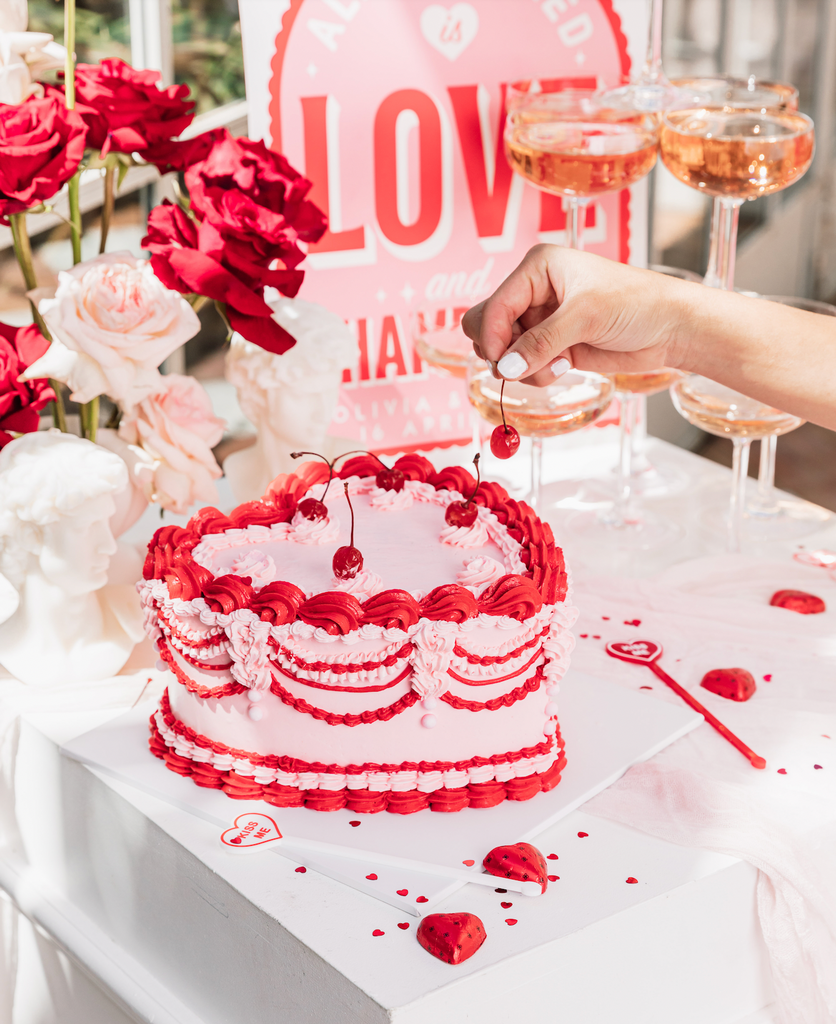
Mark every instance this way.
x=546 y=344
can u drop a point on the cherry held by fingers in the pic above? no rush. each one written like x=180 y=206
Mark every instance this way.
x=505 y=440
x=463 y=513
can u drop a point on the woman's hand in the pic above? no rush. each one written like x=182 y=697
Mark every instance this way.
x=563 y=308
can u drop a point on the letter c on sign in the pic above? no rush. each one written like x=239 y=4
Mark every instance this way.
x=387 y=172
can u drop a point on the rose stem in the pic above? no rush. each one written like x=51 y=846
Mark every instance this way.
x=107 y=208
x=23 y=252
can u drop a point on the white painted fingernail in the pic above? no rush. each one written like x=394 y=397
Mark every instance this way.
x=560 y=366
x=512 y=365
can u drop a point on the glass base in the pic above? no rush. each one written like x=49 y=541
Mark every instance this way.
x=787 y=519
x=638 y=532
x=656 y=481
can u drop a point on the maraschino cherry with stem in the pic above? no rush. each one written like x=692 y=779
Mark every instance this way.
x=463 y=513
x=505 y=440
x=313 y=508
x=389 y=479
x=347 y=561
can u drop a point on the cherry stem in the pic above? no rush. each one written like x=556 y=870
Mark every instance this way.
x=501 y=405
x=478 y=479
x=362 y=451
x=351 y=510
x=330 y=465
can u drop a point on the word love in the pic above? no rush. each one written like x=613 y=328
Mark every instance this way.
x=250 y=832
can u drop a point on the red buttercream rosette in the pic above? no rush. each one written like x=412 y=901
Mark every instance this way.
x=454 y=478
x=512 y=595
x=186 y=579
x=333 y=611
x=227 y=593
x=450 y=602
x=277 y=603
x=359 y=465
x=416 y=467
x=261 y=513
x=393 y=609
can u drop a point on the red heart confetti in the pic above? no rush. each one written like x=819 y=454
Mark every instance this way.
x=817 y=766
x=782 y=771
x=354 y=824
x=510 y=920
x=768 y=677
x=825 y=736
x=606 y=618
x=500 y=890
x=469 y=863
x=422 y=899
x=301 y=871
x=520 y=860
x=582 y=835
x=552 y=856
x=731 y=683
x=372 y=877
x=595 y=637
x=402 y=892
x=645 y=687
x=632 y=881
x=798 y=601
x=377 y=932
x=451 y=938
x=632 y=622
x=403 y=926
x=583 y=636
x=505 y=905
x=554 y=878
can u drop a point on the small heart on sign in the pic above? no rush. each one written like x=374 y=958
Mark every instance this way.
x=640 y=652
x=402 y=892
x=449 y=31
x=505 y=905
x=403 y=926
x=377 y=932
x=468 y=863
x=452 y=938
x=372 y=877
x=250 y=832
x=731 y=683
x=798 y=601
x=521 y=861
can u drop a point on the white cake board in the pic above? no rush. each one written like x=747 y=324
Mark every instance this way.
x=606 y=728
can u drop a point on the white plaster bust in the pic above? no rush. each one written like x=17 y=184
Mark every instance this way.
x=57 y=497
x=291 y=398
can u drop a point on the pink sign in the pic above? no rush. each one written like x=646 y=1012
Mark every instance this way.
x=395 y=110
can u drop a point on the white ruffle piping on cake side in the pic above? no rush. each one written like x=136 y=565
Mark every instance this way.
x=378 y=782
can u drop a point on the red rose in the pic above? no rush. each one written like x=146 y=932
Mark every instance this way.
x=249 y=211
x=125 y=110
x=41 y=146
x=20 y=402
x=177 y=154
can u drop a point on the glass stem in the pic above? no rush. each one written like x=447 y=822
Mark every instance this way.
x=740 y=470
x=725 y=228
x=712 y=278
x=624 y=484
x=536 y=472
x=766 y=471
x=575 y=222
x=652 y=70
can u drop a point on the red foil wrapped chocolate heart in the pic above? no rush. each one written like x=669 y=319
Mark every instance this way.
x=521 y=861
x=731 y=683
x=452 y=938
x=798 y=601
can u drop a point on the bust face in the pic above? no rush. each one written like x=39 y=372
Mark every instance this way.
x=76 y=550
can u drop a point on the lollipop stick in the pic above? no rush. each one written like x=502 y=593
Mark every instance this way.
x=756 y=760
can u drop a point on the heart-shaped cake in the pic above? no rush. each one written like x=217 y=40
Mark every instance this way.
x=452 y=938
x=521 y=861
x=731 y=683
x=798 y=601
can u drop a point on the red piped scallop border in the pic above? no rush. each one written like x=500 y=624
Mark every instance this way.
x=544 y=580
x=359 y=801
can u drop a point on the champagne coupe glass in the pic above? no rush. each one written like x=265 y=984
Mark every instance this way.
x=735 y=154
x=781 y=517
x=440 y=341
x=574 y=400
x=572 y=143
x=728 y=91
x=726 y=413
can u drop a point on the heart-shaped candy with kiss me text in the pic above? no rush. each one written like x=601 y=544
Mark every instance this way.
x=640 y=652
x=452 y=938
x=521 y=861
x=250 y=832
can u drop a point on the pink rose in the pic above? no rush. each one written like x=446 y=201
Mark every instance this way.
x=119 y=322
x=176 y=427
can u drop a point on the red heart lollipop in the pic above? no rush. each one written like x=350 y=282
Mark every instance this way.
x=731 y=683
x=521 y=861
x=798 y=601
x=641 y=652
x=452 y=938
